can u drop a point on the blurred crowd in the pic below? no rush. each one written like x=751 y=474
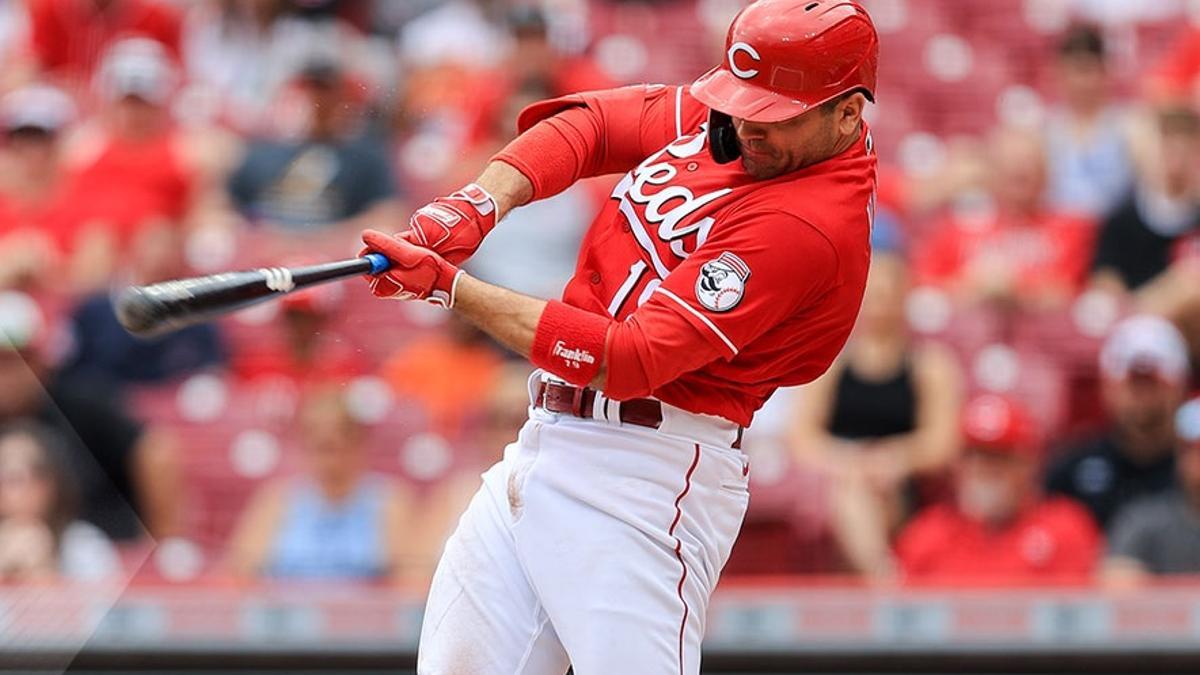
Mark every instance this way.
x=1015 y=405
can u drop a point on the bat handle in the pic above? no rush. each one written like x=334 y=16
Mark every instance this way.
x=379 y=262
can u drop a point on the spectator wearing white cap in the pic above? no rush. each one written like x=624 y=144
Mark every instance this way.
x=1144 y=369
x=35 y=204
x=1160 y=535
x=142 y=178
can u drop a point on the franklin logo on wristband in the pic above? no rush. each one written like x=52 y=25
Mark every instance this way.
x=573 y=357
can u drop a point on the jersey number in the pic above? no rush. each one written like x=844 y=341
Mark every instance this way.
x=636 y=271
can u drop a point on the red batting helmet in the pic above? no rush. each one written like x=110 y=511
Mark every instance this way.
x=783 y=57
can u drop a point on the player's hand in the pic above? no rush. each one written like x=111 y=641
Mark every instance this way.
x=454 y=226
x=416 y=273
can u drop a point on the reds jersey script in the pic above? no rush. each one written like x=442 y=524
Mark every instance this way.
x=595 y=544
x=746 y=262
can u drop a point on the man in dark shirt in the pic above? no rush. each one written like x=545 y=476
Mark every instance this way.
x=1161 y=534
x=101 y=350
x=328 y=175
x=1144 y=366
x=127 y=474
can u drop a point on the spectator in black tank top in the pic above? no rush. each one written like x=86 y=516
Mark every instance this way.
x=1148 y=247
x=885 y=413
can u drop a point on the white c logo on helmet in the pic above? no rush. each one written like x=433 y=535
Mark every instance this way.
x=745 y=74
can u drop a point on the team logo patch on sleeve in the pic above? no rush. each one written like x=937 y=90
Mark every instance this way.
x=722 y=282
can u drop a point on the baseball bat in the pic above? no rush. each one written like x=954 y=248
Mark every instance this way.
x=159 y=308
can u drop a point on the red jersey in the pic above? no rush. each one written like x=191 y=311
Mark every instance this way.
x=54 y=217
x=759 y=281
x=1053 y=540
x=71 y=35
x=132 y=183
x=1050 y=251
x=1175 y=75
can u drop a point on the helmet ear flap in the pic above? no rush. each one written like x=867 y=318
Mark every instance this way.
x=722 y=138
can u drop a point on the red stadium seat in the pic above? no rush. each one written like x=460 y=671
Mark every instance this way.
x=784 y=531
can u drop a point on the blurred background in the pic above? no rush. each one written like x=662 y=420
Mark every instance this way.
x=1001 y=473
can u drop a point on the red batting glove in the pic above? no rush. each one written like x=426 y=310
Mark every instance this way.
x=454 y=226
x=416 y=273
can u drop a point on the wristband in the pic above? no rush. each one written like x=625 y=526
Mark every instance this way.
x=569 y=342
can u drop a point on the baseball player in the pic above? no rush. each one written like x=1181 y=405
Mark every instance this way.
x=730 y=261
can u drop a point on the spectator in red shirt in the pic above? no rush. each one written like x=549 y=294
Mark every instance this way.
x=535 y=60
x=68 y=37
x=1174 y=77
x=35 y=202
x=303 y=346
x=999 y=529
x=134 y=176
x=1015 y=253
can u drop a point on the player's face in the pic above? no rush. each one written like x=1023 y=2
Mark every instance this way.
x=771 y=149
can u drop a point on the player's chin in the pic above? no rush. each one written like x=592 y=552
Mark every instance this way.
x=759 y=169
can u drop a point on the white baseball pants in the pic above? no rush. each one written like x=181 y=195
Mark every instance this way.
x=590 y=545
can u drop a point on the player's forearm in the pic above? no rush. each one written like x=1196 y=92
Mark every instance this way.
x=509 y=317
x=508 y=186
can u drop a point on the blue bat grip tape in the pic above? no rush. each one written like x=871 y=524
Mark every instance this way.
x=379 y=262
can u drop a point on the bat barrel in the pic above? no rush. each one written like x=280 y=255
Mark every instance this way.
x=140 y=312
x=159 y=308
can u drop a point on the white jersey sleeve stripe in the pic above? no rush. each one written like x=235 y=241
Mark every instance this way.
x=716 y=331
